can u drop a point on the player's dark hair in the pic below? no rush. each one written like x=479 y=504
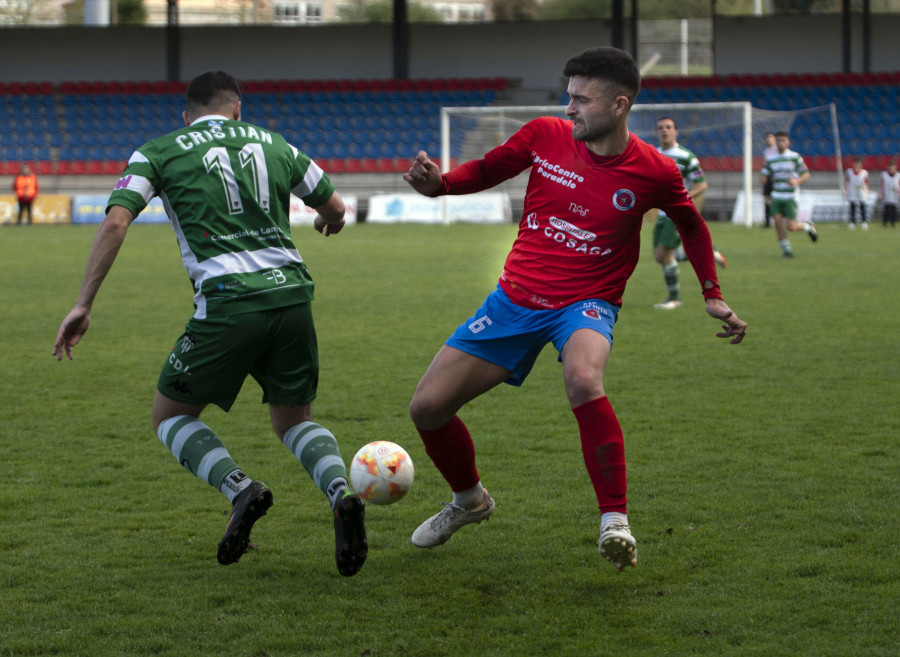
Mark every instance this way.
x=781 y=133
x=211 y=89
x=610 y=64
x=667 y=118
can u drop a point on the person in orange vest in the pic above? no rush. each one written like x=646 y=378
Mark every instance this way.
x=26 y=187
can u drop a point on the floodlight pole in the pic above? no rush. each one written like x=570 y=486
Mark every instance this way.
x=173 y=50
x=401 y=40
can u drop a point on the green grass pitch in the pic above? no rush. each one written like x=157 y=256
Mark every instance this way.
x=763 y=477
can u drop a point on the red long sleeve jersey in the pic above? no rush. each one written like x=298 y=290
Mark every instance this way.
x=580 y=232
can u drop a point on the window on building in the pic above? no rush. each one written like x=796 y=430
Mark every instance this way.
x=287 y=12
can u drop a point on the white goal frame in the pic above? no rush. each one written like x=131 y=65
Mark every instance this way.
x=748 y=115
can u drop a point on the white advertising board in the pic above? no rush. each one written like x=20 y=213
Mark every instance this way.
x=483 y=207
x=820 y=206
x=303 y=215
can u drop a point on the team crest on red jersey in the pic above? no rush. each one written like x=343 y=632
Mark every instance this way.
x=623 y=199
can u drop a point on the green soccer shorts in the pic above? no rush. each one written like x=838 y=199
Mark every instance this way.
x=665 y=233
x=213 y=357
x=787 y=208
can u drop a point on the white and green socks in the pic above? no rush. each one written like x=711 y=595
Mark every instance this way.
x=672 y=274
x=317 y=450
x=201 y=451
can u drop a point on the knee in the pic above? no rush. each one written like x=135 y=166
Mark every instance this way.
x=426 y=414
x=659 y=255
x=583 y=385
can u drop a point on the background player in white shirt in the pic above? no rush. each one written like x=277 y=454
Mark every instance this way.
x=857 y=184
x=890 y=193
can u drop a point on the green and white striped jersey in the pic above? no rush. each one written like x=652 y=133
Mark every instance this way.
x=688 y=165
x=226 y=187
x=780 y=168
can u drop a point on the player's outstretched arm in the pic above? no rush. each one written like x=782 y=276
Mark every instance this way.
x=104 y=250
x=734 y=327
x=424 y=175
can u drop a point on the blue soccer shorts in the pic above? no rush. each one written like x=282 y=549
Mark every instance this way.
x=512 y=336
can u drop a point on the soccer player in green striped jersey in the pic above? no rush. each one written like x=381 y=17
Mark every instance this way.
x=667 y=247
x=226 y=187
x=786 y=171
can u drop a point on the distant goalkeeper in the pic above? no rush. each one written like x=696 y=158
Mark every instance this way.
x=667 y=247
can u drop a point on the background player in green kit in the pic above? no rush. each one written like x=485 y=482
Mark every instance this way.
x=666 y=241
x=226 y=186
x=786 y=171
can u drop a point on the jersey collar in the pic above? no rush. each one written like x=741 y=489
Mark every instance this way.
x=210 y=117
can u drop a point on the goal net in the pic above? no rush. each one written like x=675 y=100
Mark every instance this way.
x=727 y=138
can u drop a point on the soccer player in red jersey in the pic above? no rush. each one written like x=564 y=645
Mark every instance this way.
x=591 y=183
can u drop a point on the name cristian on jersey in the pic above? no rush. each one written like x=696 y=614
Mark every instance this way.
x=218 y=131
x=555 y=172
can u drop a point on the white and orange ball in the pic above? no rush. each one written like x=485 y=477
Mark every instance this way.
x=382 y=472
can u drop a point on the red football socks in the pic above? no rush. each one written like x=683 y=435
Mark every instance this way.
x=603 y=448
x=451 y=450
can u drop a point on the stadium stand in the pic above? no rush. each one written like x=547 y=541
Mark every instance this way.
x=372 y=125
x=85 y=128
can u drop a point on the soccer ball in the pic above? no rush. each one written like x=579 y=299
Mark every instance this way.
x=381 y=472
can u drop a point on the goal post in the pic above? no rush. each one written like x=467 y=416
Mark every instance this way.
x=725 y=136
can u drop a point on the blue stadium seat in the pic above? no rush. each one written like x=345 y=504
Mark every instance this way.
x=78 y=152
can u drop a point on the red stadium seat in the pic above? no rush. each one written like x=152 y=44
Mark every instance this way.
x=337 y=165
x=392 y=164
